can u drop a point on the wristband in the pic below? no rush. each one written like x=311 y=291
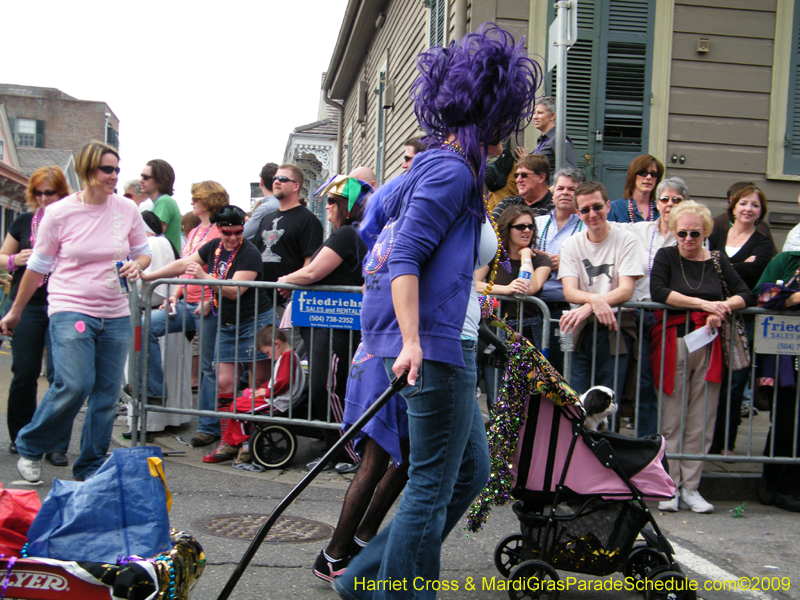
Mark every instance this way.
x=11 y=267
x=141 y=268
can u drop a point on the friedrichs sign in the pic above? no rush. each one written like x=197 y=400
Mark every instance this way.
x=334 y=310
x=777 y=334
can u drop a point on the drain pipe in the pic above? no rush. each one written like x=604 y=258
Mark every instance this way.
x=460 y=25
x=339 y=128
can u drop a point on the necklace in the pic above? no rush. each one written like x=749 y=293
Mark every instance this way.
x=217 y=274
x=543 y=238
x=650 y=254
x=632 y=205
x=702 y=274
x=456 y=148
x=35 y=222
x=89 y=212
x=191 y=245
x=540 y=146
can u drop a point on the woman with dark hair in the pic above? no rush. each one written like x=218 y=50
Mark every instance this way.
x=234 y=258
x=80 y=240
x=192 y=305
x=639 y=204
x=518 y=236
x=423 y=316
x=749 y=252
x=46 y=185
x=337 y=262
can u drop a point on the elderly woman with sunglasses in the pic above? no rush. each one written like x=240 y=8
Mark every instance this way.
x=81 y=239
x=229 y=257
x=639 y=204
x=46 y=185
x=686 y=277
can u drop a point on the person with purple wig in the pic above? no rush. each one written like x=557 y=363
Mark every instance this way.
x=420 y=313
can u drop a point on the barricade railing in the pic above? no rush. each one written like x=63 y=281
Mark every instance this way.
x=639 y=389
x=298 y=413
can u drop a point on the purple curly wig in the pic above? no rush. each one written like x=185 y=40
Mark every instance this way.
x=481 y=89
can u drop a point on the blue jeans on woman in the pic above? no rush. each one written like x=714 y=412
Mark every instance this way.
x=207 y=329
x=89 y=357
x=27 y=346
x=449 y=466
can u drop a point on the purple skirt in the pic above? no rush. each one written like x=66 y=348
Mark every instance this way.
x=366 y=381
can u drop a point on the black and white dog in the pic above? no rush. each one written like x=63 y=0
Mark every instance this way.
x=598 y=404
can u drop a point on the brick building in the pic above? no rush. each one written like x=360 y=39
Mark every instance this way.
x=50 y=119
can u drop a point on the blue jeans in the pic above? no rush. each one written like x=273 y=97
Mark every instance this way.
x=32 y=337
x=207 y=329
x=89 y=356
x=449 y=466
x=647 y=412
x=581 y=378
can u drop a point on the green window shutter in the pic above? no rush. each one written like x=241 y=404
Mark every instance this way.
x=791 y=159
x=13 y=124
x=39 y=133
x=436 y=35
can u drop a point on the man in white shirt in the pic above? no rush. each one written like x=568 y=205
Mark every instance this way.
x=598 y=269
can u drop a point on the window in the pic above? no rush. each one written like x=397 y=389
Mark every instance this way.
x=2 y=150
x=381 y=129
x=791 y=158
x=26 y=133
x=437 y=32
x=783 y=150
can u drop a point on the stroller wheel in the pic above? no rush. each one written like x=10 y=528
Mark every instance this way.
x=273 y=446
x=509 y=553
x=677 y=584
x=537 y=581
x=641 y=562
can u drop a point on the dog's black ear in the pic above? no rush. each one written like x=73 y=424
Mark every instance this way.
x=593 y=402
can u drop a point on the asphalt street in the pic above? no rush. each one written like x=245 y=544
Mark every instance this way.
x=758 y=548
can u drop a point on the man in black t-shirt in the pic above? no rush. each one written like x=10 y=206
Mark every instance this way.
x=288 y=237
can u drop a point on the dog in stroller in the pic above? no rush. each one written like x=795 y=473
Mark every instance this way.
x=580 y=500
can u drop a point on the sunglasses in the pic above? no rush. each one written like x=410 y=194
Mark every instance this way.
x=48 y=193
x=520 y=175
x=230 y=233
x=195 y=200
x=145 y=177
x=408 y=158
x=645 y=173
x=128 y=196
x=283 y=179
x=331 y=201
x=523 y=226
x=108 y=169
x=596 y=208
x=674 y=199
x=693 y=234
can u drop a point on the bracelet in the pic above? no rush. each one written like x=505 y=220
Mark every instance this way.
x=141 y=268
x=11 y=267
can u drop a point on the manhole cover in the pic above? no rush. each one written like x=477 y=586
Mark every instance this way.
x=245 y=527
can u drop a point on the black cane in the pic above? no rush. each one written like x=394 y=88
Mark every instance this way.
x=397 y=385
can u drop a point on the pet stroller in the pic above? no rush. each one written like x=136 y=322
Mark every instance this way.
x=580 y=494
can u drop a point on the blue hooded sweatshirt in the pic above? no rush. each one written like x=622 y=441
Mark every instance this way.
x=433 y=217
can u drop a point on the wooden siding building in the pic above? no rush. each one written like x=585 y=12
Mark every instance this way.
x=710 y=87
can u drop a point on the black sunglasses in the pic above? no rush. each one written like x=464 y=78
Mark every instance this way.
x=283 y=179
x=228 y=233
x=523 y=226
x=108 y=169
x=48 y=193
x=693 y=234
x=146 y=177
x=408 y=158
x=331 y=201
x=596 y=208
x=645 y=173
x=675 y=199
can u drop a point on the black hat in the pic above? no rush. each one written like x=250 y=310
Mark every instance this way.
x=229 y=215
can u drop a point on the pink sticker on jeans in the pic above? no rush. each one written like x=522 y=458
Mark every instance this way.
x=80 y=326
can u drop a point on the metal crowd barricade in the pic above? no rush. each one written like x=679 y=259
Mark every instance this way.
x=138 y=362
x=749 y=453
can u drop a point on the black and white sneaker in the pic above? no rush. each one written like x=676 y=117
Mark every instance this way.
x=329 y=569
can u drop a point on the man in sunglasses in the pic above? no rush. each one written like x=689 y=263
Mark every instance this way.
x=412 y=147
x=269 y=202
x=288 y=237
x=158 y=182
x=598 y=269
x=532 y=176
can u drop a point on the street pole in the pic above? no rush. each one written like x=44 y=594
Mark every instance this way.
x=563 y=7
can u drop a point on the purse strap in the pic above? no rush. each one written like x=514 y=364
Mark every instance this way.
x=715 y=260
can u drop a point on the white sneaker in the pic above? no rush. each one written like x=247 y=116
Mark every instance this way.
x=31 y=470
x=669 y=505
x=692 y=499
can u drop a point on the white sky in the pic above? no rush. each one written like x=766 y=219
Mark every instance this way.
x=213 y=88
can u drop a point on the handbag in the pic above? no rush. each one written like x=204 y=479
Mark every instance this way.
x=120 y=511
x=737 y=355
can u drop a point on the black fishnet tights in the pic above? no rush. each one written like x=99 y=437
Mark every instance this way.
x=369 y=497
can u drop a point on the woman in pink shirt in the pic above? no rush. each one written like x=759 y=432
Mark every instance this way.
x=80 y=239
